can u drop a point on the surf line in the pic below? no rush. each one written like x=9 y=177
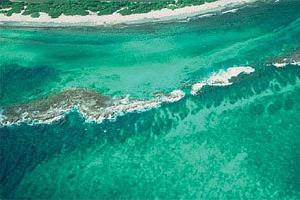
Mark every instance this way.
x=97 y=108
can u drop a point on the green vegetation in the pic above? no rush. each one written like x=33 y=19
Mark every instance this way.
x=55 y=8
x=35 y=15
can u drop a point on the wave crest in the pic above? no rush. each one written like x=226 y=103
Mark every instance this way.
x=222 y=78
x=90 y=104
x=284 y=61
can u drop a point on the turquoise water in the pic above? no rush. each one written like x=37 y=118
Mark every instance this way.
x=236 y=142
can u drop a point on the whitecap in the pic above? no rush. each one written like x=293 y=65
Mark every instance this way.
x=85 y=103
x=197 y=87
x=284 y=64
x=230 y=11
x=122 y=106
x=222 y=78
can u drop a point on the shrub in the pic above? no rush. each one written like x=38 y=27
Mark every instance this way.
x=35 y=15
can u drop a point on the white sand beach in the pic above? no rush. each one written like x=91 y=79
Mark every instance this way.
x=94 y=20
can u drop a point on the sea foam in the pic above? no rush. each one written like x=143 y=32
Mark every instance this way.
x=284 y=61
x=222 y=78
x=284 y=64
x=120 y=107
x=90 y=104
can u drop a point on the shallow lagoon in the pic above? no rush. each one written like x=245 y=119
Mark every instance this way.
x=238 y=141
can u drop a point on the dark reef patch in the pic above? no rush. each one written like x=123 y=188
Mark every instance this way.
x=55 y=105
x=24 y=147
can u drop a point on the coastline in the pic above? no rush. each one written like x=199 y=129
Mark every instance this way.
x=117 y=19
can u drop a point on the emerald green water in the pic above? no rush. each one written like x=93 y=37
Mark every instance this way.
x=236 y=142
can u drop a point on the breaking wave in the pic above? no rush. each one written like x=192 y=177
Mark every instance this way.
x=284 y=61
x=222 y=78
x=95 y=107
x=90 y=104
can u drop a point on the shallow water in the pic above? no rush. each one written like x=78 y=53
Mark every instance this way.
x=237 y=141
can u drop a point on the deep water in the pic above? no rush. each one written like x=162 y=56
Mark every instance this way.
x=241 y=141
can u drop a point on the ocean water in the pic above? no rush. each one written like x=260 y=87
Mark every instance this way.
x=237 y=137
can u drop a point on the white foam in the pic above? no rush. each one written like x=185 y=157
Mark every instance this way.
x=2 y=116
x=174 y=96
x=230 y=11
x=117 y=107
x=280 y=65
x=197 y=87
x=125 y=105
x=284 y=64
x=295 y=63
x=222 y=78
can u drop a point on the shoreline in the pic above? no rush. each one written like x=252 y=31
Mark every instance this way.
x=93 y=19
